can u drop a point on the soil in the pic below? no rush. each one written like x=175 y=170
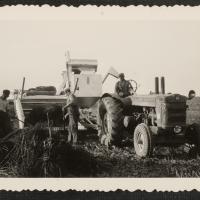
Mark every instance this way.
x=122 y=161
x=91 y=159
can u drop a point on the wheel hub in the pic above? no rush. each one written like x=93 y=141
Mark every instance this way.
x=140 y=141
x=107 y=124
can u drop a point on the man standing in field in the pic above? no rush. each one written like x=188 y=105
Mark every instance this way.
x=5 y=124
x=123 y=87
x=73 y=114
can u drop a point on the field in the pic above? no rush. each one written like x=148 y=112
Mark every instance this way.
x=122 y=162
x=91 y=159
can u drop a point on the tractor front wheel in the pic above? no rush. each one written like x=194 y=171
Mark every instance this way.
x=143 y=143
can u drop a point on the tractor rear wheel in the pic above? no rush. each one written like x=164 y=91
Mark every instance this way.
x=143 y=141
x=110 y=121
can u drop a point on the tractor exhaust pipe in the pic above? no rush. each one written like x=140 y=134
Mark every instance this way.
x=156 y=85
x=163 y=85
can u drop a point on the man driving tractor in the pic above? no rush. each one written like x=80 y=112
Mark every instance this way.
x=123 y=87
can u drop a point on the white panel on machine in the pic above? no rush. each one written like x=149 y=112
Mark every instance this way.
x=88 y=85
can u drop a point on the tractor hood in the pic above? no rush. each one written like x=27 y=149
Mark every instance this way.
x=152 y=100
x=172 y=98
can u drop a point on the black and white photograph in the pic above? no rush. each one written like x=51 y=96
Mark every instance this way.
x=100 y=98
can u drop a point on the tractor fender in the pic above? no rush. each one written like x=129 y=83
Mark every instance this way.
x=127 y=101
x=110 y=95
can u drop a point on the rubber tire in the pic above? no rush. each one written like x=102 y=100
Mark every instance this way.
x=113 y=108
x=196 y=128
x=147 y=149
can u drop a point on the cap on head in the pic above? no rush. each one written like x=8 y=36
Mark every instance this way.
x=191 y=92
x=6 y=92
x=121 y=75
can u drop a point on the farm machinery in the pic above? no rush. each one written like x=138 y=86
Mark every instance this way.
x=151 y=120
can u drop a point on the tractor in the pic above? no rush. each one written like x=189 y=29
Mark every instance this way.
x=151 y=120
x=154 y=119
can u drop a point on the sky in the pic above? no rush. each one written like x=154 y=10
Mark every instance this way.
x=142 y=49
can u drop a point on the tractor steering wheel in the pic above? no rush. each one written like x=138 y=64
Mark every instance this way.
x=134 y=85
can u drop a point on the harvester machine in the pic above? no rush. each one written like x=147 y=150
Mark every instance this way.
x=80 y=76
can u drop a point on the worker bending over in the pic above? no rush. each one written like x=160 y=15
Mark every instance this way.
x=73 y=114
x=5 y=124
x=123 y=87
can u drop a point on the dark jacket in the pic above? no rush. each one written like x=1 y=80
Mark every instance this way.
x=123 y=88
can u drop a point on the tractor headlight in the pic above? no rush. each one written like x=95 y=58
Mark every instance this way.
x=177 y=129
